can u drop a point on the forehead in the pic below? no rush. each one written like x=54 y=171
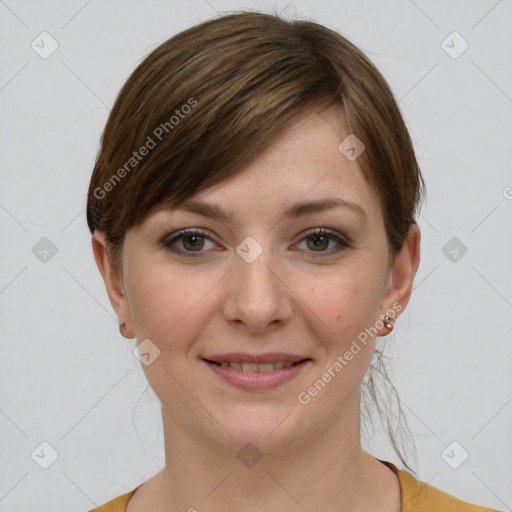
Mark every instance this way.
x=304 y=164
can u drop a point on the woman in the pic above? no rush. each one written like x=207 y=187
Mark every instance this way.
x=252 y=211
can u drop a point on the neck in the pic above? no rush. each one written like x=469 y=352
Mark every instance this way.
x=328 y=471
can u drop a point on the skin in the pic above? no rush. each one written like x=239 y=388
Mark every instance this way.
x=286 y=300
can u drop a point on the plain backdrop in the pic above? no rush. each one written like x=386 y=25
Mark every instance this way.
x=70 y=381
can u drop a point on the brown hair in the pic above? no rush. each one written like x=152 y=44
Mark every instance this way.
x=200 y=106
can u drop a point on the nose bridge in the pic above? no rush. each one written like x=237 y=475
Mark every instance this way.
x=256 y=295
x=253 y=267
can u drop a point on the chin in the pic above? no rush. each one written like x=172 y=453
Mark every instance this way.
x=268 y=429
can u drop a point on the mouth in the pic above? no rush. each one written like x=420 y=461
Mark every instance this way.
x=256 y=367
x=269 y=372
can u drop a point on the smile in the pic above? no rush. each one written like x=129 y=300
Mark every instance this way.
x=250 y=376
x=255 y=367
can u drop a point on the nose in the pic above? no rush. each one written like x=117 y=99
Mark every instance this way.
x=257 y=295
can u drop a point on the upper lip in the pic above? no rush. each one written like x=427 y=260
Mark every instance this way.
x=270 y=357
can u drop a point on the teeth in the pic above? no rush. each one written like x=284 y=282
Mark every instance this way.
x=254 y=367
x=249 y=367
x=264 y=367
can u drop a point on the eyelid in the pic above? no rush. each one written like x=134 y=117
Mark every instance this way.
x=326 y=231
x=169 y=239
x=343 y=241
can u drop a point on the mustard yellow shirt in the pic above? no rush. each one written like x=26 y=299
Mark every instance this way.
x=417 y=496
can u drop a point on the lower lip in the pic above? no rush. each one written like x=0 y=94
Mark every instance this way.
x=257 y=381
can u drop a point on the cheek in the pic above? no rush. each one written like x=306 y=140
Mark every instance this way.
x=348 y=300
x=168 y=307
x=349 y=309
x=172 y=307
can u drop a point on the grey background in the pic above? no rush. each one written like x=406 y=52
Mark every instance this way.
x=67 y=376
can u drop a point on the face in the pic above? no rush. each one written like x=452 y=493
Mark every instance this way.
x=304 y=284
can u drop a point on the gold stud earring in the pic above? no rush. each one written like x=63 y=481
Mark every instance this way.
x=387 y=319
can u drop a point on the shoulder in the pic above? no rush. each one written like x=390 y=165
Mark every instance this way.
x=118 y=504
x=418 y=496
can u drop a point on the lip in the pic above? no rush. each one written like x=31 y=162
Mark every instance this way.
x=269 y=357
x=257 y=381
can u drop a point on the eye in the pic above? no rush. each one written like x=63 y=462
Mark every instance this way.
x=192 y=241
x=320 y=239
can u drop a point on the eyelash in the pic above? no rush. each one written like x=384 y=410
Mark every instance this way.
x=344 y=243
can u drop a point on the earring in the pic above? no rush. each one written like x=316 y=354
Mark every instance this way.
x=387 y=319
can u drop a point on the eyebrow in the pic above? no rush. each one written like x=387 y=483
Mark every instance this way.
x=294 y=211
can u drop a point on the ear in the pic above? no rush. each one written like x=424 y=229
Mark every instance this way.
x=113 y=282
x=401 y=277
